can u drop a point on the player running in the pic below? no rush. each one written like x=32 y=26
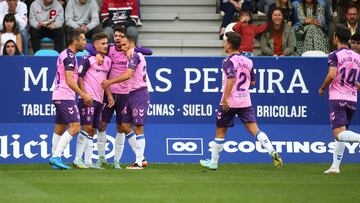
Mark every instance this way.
x=239 y=75
x=344 y=68
x=67 y=113
x=138 y=100
x=91 y=75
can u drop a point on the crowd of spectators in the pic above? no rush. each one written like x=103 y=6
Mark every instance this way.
x=293 y=26
x=37 y=21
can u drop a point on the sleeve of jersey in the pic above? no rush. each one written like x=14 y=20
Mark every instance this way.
x=133 y=62
x=143 y=50
x=84 y=67
x=69 y=63
x=91 y=49
x=228 y=68
x=332 y=59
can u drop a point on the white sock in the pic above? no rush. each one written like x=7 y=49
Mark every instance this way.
x=265 y=142
x=89 y=149
x=63 y=143
x=80 y=145
x=131 y=137
x=119 y=145
x=55 y=141
x=338 y=154
x=216 y=149
x=349 y=136
x=101 y=142
x=140 y=147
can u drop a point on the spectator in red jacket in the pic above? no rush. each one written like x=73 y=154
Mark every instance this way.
x=119 y=12
x=247 y=31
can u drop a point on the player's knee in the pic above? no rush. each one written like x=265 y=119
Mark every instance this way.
x=126 y=128
x=139 y=129
x=103 y=126
x=74 y=129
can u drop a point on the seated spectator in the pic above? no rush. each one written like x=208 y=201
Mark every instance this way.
x=46 y=20
x=119 y=12
x=264 y=6
x=19 y=9
x=229 y=7
x=311 y=36
x=279 y=38
x=339 y=8
x=10 y=48
x=10 y=31
x=351 y=19
x=287 y=10
x=82 y=15
x=247 y=31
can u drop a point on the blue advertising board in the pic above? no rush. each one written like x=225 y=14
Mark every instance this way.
x=185 y=93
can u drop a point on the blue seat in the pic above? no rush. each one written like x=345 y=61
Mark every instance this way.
x=46 y=52
x=81 y=54
x=46 y=40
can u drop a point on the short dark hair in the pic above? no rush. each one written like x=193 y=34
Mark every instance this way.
x=99 y=36
x=130 y=38
x=351 y=5
x=342 y=33
x=119 y=28
x=74 y=35
x=234 y=39
x=355 y=37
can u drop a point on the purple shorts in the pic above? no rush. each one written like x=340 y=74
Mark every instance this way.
x=137 y=106
x=120 y=104
x=91 y=115
x=226 y=119
x=341 y=112
x=66 y=112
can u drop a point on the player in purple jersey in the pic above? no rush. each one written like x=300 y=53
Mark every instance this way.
x=120 y=93
x=138 y=99
x=239 y=75
x=67 y=113
x=91 y=75
x=342 y=77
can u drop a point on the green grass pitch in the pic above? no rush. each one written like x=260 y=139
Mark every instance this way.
x=183 y=183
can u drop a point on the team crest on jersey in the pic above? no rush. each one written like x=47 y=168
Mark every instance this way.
x=135 y=112
x=88 y=118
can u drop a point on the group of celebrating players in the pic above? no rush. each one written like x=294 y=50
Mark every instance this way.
x=112 y=78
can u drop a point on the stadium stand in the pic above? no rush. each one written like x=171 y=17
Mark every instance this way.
x=181 y=28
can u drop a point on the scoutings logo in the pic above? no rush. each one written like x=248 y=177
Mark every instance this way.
x=184 y=146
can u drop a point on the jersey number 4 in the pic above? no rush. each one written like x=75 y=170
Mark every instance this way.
x=350 y=78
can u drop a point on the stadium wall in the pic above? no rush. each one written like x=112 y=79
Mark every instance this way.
x=185 y=92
